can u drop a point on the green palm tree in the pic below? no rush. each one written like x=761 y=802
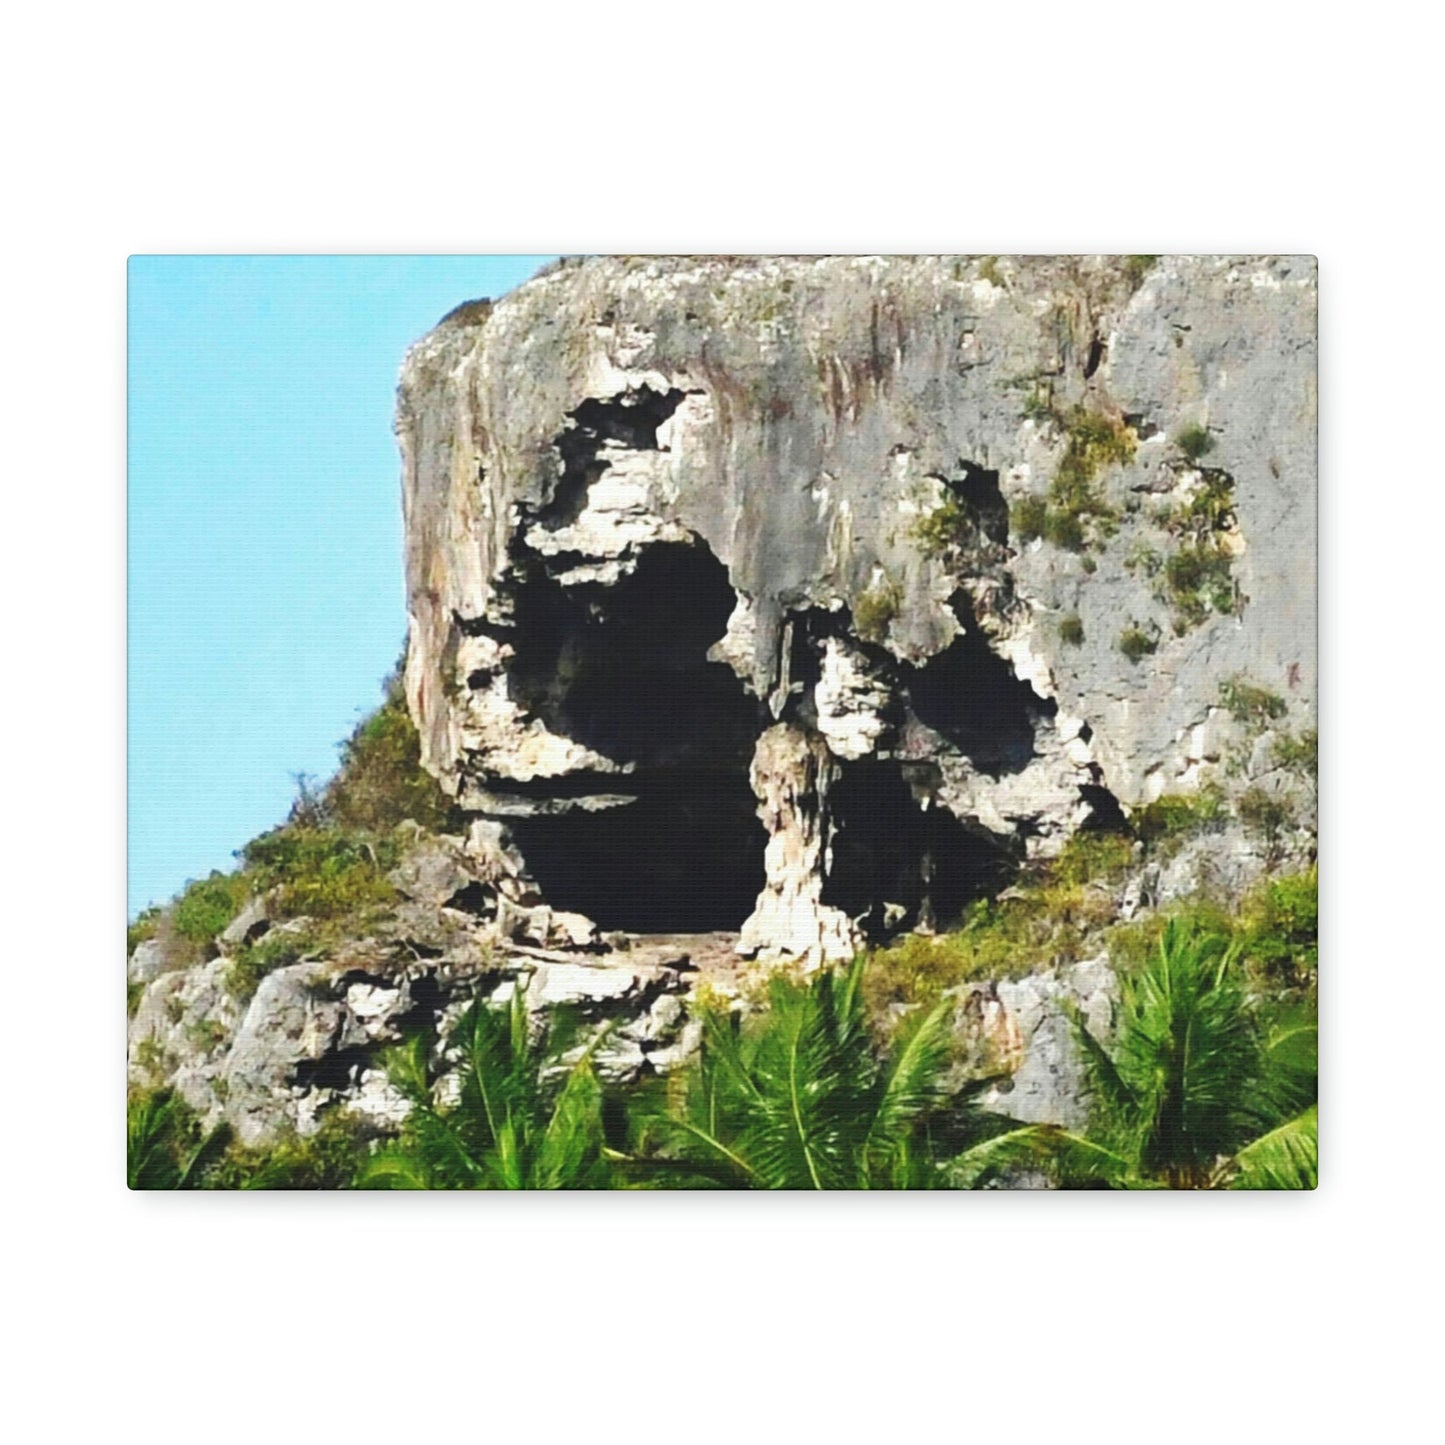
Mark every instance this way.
x=165 y=1147
x=799 y=1097
x=524 y=1118
x=1194 y=1094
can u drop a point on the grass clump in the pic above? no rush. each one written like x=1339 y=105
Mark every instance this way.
x=1298 y=754
x=1071 y=630
x=875 y=609
x=1027 y=518
x=278 y=949
x=142 y=929
x=333 y=1157
x=323 y=872
x=948 y=528
x=1164 y=825
x=1136 y=642
x=1195 y=442
x=208 y=905
x=381 y=782
x=1073 y=515
x=1198 y=579
x=1136 y=268
x=1255 y=707
x=1279 y=928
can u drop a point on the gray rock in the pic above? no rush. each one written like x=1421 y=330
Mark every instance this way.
x=290 y=1022
x=794 y=422
x=146 y=962
x=247 y=926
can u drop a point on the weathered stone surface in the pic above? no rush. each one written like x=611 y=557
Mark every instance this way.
x=791 y=774
x=248 y=925
x=1021 y=1028
x=843 y=438
x=146 y=961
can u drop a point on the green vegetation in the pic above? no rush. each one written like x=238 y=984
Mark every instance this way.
x=334 y=1157
x=1198 y=578
x=1071 y=630
x=1027 y=517
x=1136 y=268
x=329 y=860
x=205 y=907
x=1209 y=1080
x=1195 y=442
x=1143 y=558
x=988 y=271
x=1169 y=821
x=1073 y=516
x=1136 y=643
x=1196 y=1091
x=948 y=528
x=526 y=1118
x=165 y=1146
x=875 y=609
x=1255 y=707
x=142 y=928
x=278 y=949
x=1049 y=917
x=1278 y=929
x=324 y=872
x=381 y=782
x=1297 y=754
x=800 y=1097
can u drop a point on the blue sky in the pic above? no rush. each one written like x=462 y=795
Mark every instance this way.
x=265 y=594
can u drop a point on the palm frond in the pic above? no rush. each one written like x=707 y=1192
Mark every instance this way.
x=1288 y=1157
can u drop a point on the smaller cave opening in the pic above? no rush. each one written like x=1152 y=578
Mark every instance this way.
x=977 y=489
x=685 y=857
x=630 y=419
x=1105 y=814
x=623 y=670
x=888 y=849
x=971 y=696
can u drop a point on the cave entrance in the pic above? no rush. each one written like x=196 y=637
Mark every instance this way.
x=685 y=857
x=624 y=671
x=888 y=849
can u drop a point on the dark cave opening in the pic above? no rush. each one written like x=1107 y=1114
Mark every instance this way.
x=629 y=420
x=971 y=696
x=978 y=490
x=623 y=670
x=887 y=848
x=685 y=857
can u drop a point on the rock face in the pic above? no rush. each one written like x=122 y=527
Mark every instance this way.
x=313 y=1035
x=799 y=596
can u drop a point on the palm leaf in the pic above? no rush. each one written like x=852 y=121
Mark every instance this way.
x=1288 y=1157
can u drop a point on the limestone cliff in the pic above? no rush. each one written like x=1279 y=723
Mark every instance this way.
x=804 y=597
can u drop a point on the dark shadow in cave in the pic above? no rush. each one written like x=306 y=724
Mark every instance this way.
x=970 y=695
x=887 y=848
x=623 y=670
x=630 y=420
x=982 y=499
x=686 y=857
